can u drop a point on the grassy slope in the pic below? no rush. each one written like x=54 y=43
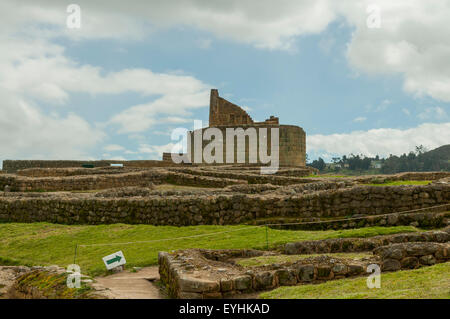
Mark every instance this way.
x=279 y=259
x=423 y=283
x=47 y=244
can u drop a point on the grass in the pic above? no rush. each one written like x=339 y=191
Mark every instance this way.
x=397 y=183
x=54 y=244
x=53 y=286
x=280 y=259
x=326 y=176
x=423 y=283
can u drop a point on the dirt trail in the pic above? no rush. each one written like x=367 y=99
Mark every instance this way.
x=131 y=285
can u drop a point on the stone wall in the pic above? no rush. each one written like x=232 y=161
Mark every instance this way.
x=292 y=144
x=98 y=181
x=202 y=273
x=12 y=166
x=61 y=172
x=415 y=176
x=347 y=245
x=412 y=255
x=251 y=178
x=179 y=272
x=223 y=112
x=219 y=209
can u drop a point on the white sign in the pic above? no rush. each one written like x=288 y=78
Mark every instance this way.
x=114 y=260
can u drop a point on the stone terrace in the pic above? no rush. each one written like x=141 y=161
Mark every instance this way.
x=223 y=195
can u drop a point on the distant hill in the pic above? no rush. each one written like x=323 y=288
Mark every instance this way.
x=442 y=153
x=434 y=160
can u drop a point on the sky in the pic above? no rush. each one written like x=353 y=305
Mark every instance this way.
x=362 y=77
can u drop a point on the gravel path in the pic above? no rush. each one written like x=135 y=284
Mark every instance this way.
x=131 y=285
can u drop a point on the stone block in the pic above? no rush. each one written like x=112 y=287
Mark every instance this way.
x=305 y=272
x=243 y=282
x=190 y=295
x=226 y=285
x=355 y=269
x=391 y=265
x=286 y=277
x=263 y=280
x=190 y=284
x=324 y=272
x=339 y=269
x=410 y=262
x=427 y=260
x=212 y=295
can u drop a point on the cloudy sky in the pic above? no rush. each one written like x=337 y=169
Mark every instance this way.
x=117 y=86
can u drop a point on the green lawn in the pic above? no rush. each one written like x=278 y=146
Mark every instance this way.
x=54 y=244
x=326 y=176
x=397 y=183
x=280 y=259
x=424 y=283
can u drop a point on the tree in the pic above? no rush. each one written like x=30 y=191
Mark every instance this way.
x=319 y=164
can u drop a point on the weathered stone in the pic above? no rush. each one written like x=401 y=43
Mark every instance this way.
x=286 y=277
x=243 y=282
x=420 y=249
x=355 y=269
x=189 y=284
x=290 y=249
x=410 y=262
x=190 y=295
x=226 y=285
x=305 y=272
x=339 y=269
x=263 y=280
x=393 y=252
x=212 y=295
x=427 y=260
x=391 y=265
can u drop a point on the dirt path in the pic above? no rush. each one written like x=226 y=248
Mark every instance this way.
x=131 y=285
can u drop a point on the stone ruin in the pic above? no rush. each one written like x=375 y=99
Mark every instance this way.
x=224 y=114
x=204 y=273
x=66 y=192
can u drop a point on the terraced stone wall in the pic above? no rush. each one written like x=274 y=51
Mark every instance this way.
x=220 y=209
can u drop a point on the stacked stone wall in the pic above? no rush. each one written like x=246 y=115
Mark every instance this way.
x=12 y=166
x=348 y=245
x=103 y=181
x=221 y=209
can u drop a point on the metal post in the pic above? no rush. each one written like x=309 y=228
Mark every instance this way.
x=75 y=256
x=267 y=238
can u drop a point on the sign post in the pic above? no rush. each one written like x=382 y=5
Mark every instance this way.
x=114 y=260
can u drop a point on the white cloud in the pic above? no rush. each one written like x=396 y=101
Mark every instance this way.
x=359 y=119
x=156 y=151
x=406 y=111
x=26 y=132
x=114 y=148
x=382 y=141
x=204 y=43
x=433 y=113
x=413 y=41
x=35 y=72
x=176 y=103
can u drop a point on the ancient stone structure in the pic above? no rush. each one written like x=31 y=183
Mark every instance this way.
x=224 y=114
x=205 y=273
